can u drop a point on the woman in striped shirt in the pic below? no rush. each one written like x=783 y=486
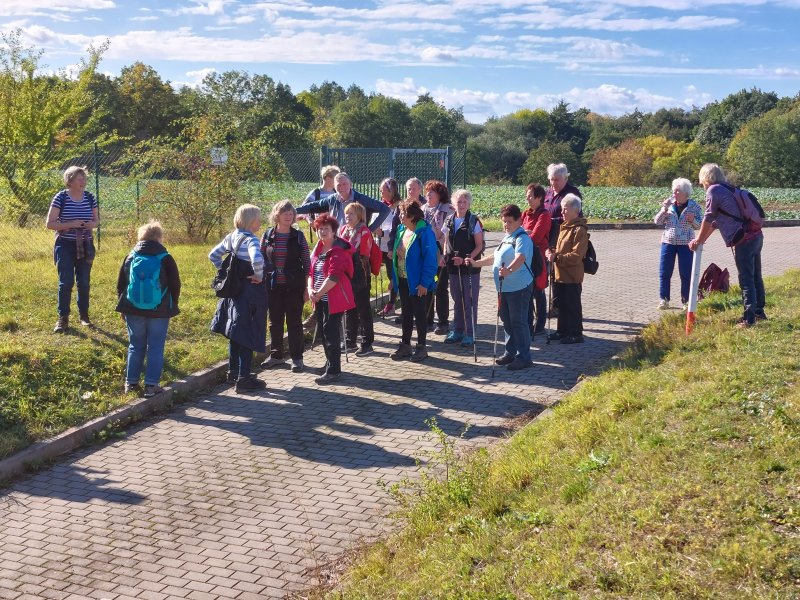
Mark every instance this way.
x=73 y=214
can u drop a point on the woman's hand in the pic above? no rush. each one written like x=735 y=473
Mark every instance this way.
x=667 y=203
x=550 y=255
x=689 y=217
x=254 y=279
x=504 y=271
x=422 y=290
x=458 y=261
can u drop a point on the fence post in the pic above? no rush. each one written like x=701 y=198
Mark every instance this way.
x=465 y=165
x=97 y=189
x=138 y=204
x=448 y=173
x=323 y=157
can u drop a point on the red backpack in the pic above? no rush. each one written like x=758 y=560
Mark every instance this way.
x=714 y=279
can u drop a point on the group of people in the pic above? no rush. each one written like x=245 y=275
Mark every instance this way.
x=430 y=244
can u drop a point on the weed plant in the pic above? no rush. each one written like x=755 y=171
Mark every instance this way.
x=674 y=474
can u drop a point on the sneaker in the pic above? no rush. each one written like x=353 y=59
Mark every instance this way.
x=327 y=378
x=61 y=325
x=441 y=329
x=387 y=310
x=152 y=390
x=453 y=337
x=506 y=359
x=85 y=320
x=467 y=340
x=663 y=304
x=272 y=362
x=420 y=353
x=365 y=350
x=249 y=384
x=518 y=364
x=403 y=351
x=553 y=337
x=297 y=365
x=572 y=339
x=133 y=388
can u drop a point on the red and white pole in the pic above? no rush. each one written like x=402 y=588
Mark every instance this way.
x=694 y=289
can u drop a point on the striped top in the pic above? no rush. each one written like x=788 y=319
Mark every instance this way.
x=72 y=211
x=249 y=250
x=281 y=249
x=319 y=277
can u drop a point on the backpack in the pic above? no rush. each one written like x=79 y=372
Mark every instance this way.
x=751 y=215
x=590 y=264
x=375 y=258
x=536 y=260
x=473 y=220
x=144 y=281
x=714 y=279
x=227 y=283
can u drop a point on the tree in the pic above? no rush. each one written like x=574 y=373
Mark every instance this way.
x=721 y=120
x=149 y=105
x=493 y=157
x=572 y=127
x=535 y=168
x=391 y=122
x=766 y=151
x=43 y=121
x=629 y=164
x=434 y=126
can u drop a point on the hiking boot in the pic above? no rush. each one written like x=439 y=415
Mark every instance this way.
x=518 y=365
x=297 y=365
x=441 y=329
x=387 y=309
x=249 y=384
x=133 y=388
x=453 y=337
x=272 y=362
x=663 y=304
x=467 y=340
x=506 y=359
x=327 y=378
x=61 y=325
x=420 y=353
x=152 y=390
x=85 y=320
x=365 y=350
x=403 y=351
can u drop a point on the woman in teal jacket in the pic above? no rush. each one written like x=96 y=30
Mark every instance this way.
x=414 y=260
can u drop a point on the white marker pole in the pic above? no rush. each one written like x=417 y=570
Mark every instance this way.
x=694 y=288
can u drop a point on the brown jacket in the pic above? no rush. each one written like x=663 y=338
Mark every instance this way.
x=573 y=241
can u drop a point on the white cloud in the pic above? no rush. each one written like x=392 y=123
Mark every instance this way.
x=145 y=18
x=612 y=99
x=207 y=8
x=195 y=78
x=10 y=8
x=476 y=104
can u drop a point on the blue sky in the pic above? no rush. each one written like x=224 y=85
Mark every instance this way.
x=489 y=57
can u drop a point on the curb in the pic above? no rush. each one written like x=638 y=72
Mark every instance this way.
x=47 y=450
x=634 y=226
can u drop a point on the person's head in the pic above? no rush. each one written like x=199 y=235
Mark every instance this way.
x=343 y=184
x=411 y=212
x=76 y=175
x=413 y=189
x=557 y=175
x=354 y=214
x=327 y=173
x=534 y=194
x=570 y=207
x=511 y=216
x=682 y=190
x=150 y=232
x=711 y=173
x=247 y=218
x=390 y=192
x=283 y=213
x=462 y=199
x=325 y=226
x=436 y=192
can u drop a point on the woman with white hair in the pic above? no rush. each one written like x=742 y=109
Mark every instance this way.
x=680 y=216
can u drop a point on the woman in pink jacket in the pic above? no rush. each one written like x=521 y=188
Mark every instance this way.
x=330 y=290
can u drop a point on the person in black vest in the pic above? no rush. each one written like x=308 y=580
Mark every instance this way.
x=463 y=236
x=285 y=248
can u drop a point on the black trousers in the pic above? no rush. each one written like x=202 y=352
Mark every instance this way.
x=361 y=316
x=331 y=327
x=441 y=297
x=387 y=262
x=570 y=310
x=412 y=309
x=286 y=304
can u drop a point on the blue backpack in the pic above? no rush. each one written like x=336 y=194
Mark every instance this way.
x=144 y=281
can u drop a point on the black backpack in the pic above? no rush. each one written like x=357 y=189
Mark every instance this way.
x=590 y=264
x=227 y=283
x=450 y=221
x=537 y=264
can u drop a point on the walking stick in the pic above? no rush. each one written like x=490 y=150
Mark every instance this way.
x=473 y=318
x=344 y=337
x=549 y=298
x=463 y=305
x=497 y=322
x=316 y=329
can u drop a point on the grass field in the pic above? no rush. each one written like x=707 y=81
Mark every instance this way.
x=675 y=474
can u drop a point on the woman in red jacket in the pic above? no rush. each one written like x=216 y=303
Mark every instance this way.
x=330 y=290
x=537 y=221
x=356 y=232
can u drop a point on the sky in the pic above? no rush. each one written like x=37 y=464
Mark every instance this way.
x=487 y=57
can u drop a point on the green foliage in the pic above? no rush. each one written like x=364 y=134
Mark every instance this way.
x=535 y=167
x=721 y=120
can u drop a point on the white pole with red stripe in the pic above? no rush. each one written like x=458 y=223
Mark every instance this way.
x=694 y=289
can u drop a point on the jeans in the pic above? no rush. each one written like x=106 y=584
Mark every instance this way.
x=514 y=314
x=570 y=309
x=412 y=309
x=360 y=315
x=147 y=337
x=286 y=303
x=667 y=266
x=240 y=359
x=464 y=291
x=331 y=327
x=71 y=269
x=748 y=264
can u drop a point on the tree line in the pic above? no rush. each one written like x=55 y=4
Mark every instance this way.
x=752 y=132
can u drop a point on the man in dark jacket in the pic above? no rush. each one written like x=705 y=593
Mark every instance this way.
x=345 y=194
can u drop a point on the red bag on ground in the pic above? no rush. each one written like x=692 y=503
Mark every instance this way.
x=714 y=279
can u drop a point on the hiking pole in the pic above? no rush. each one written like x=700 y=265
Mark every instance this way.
x=344 y=337
x=694 y=288
x=463 y=305
x=497 y=322
x=473 y=317
x=316 y=331
x=549 y=298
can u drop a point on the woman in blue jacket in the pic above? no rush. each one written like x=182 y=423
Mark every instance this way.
x=414 y=264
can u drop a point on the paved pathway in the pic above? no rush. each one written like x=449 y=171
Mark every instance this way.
x=245 y=496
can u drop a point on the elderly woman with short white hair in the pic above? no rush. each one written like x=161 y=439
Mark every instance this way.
x=680 y=216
